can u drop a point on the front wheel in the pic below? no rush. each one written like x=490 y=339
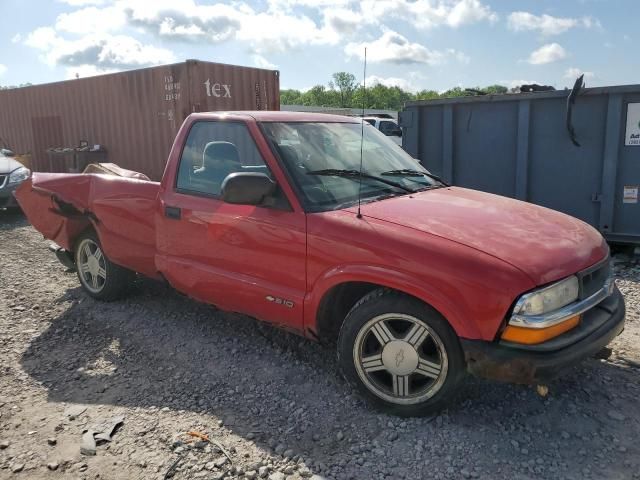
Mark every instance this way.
x=400 y=354
x=100 y=278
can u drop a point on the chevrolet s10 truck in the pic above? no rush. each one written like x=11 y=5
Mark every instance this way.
x=258 y=213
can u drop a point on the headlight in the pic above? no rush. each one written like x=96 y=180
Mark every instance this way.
x=19 y=175
x=539 y=316
x=549 y=298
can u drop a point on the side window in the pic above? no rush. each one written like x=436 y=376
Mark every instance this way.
x=388 y=127
x=214 y=150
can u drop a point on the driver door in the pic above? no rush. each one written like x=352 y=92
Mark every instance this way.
x=243 y=258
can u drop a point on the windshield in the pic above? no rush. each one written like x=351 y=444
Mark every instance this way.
x=324 y=161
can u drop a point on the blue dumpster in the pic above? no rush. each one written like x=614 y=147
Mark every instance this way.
x=519 y=145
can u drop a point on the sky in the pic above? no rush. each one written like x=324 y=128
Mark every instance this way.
x=415 y=44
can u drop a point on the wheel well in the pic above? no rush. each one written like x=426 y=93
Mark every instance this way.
x=340 y=299
x=335 y=305
x=89 y=227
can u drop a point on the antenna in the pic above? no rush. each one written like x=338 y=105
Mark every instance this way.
x=364 y=97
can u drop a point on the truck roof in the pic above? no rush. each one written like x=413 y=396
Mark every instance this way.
x=280 y=116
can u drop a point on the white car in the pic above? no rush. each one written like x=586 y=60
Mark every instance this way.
x=12 y=174
x=387 y=126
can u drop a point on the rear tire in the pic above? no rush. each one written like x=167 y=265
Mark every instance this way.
x=400 y=354
x=99 y=277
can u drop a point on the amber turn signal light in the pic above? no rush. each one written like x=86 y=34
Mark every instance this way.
x=533 y=336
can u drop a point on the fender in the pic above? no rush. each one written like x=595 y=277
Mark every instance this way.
x=54 y=214
x=390 y=278
x=120 y=209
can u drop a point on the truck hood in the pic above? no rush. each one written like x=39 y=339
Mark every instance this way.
x=544 y=244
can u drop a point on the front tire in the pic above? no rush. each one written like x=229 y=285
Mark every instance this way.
x=400 y=354
x=99 y=277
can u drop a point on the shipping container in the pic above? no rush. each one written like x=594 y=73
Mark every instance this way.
x=518 y=145
x=132 y=116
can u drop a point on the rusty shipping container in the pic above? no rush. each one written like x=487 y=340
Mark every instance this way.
x=133 y=115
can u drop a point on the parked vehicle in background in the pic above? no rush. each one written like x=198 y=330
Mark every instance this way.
x=319 y=224
x=12 y=174
x=387 y=126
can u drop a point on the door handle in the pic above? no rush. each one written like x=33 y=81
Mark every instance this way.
x=172 y=212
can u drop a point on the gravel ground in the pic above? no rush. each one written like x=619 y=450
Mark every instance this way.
x=274 y=403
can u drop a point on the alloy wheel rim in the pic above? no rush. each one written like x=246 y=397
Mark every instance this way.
x=400 y=358
x=92 y=265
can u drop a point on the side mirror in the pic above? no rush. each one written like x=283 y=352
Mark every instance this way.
x=247 y=188
x=396 y=132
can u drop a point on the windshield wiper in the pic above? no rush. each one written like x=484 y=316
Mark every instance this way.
x=408 y=172
x=337 y=172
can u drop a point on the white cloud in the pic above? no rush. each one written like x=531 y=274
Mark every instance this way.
x=42 y=38
x=392 y=47
x=552 y=52
x=3 y=69
x=430 y=13
x=344 y=21
x=17 y=38
x=265 y=31
x=261 y=62
x=288 y=4
x=265 y=27
x=517 y=83
x=82 y=3
x=470 y=11
x=100 y=50
x=458 y=55
x=573 y=73
x=279 y=32
x=403 y=83
x=282 y=26
x=546 y=24
x=84 y=71
x=184 y=19
x=91 y=20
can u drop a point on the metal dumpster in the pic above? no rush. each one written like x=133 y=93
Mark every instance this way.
x=518 y=145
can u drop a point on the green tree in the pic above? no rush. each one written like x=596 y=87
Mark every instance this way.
x=344 y=92
x=315 y=96
x=495 y=89
x=345 y=83
x=290 y=97
x=426 y=95
x=9 y=87
x=455 y=92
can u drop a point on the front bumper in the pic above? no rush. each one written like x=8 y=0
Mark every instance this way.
x=7 y=200
x=539 y=363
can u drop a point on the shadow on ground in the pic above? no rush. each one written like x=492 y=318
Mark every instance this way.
x=12 y=218
x=161 y=349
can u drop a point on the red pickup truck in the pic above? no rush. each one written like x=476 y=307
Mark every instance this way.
x=258 y=213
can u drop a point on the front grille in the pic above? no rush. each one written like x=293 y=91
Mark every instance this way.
x=3 y=180
x=593 y=279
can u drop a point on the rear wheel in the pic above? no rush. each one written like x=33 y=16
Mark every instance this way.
x=99 y=277
x=400 y=353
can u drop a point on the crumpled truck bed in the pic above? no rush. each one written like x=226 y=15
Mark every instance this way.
x=121 y=210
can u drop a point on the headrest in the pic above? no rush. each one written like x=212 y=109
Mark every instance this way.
x=217 y=151
x=289 y=153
